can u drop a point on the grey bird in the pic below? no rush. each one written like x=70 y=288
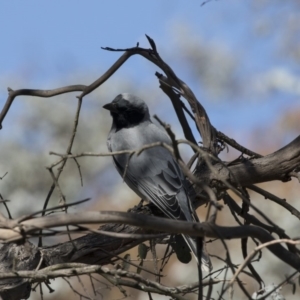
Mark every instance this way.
x=154 y=175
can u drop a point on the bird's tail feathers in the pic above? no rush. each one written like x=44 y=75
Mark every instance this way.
x=206 y=264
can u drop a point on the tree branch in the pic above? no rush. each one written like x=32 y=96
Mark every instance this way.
x=29 y=227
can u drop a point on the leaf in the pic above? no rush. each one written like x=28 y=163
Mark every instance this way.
x=139 y=270
x=143 y=249
x=125 y=264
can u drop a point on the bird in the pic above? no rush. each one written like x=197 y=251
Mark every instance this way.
x=154 y=174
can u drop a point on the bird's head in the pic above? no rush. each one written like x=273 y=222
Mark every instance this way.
x=127 y=110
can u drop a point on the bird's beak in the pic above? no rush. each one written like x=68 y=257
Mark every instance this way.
x=111 y=107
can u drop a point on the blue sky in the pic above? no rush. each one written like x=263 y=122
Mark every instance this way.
x=46 y=41
x=45 y=33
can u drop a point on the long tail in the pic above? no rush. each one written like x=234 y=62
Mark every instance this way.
x=206 y=264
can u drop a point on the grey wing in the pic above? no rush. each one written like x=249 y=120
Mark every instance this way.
x=156 y=176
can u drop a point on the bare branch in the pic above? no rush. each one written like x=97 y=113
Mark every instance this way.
x=276 y=199
x=275 y=166
x=258 y=248
x=28 y=227
x=36 y=93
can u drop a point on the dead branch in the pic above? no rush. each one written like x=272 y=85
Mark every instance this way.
x=29 y=227
x=244 y=172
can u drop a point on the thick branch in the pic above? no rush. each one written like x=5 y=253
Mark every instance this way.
x=275 y=166
x=151 y=223
x=101 y=249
